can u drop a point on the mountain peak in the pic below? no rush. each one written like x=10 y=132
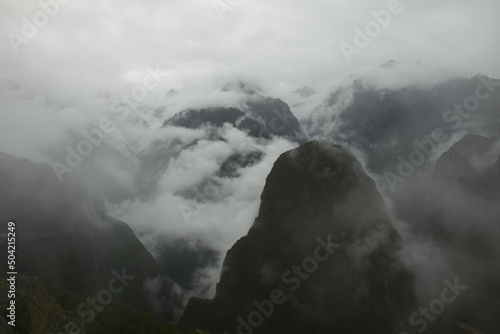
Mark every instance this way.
x=315 y=195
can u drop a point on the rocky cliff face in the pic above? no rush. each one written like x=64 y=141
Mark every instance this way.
x=320 y=256
x=64 y=238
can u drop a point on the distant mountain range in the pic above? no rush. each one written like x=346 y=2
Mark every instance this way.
x=390 y=197
x=392 y=127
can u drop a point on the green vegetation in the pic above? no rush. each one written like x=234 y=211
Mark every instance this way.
x=44 y=310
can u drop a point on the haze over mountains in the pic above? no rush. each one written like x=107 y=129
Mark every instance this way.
x=209 y=193
x=230 y=166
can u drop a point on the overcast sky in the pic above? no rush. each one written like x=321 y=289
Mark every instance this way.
x=91 y=52
x=94 y=45
x=87 y=53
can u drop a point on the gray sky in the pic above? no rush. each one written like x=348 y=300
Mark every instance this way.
x=91 y=52
x=102 y=45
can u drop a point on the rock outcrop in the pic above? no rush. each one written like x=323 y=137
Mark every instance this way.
x=319 y=258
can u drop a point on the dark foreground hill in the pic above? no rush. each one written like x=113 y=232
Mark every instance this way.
x=64 y=238
x=45 y=309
